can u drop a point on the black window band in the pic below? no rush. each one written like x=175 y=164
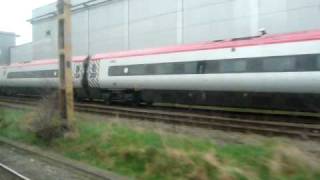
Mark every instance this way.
x=33 y=74
x=299 y=63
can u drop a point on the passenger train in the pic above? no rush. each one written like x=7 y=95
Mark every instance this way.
x=266 y=71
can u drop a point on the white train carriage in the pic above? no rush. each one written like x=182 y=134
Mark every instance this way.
x=278 y=65
x=32 y=75
x=290 y=67
x=3 y=70
x=280 y=70
x=35 y=77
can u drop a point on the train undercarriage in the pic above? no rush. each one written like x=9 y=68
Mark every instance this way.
x=277 y=101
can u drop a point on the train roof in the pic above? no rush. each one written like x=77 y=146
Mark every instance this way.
x=221 y=44
x=44 y=62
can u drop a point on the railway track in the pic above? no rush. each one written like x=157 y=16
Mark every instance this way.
x=298 y=125
x=10 y=174
x=54 y=166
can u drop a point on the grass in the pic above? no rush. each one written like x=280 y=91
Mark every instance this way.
x=146 y=154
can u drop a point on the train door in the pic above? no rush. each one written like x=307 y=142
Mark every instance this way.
x=77 y=71
x=93 y=74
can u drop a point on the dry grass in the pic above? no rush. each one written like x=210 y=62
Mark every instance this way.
x=4 y=123
x=45 y=121
x=155 y=151
x=288 y=159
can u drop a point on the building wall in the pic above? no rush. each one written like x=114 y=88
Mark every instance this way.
x=44 y=40
x=135 y=24
x=7 y=40
x=22 y=53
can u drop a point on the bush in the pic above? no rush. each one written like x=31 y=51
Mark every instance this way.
x=45 y=121
x=1 y=115
x=3 y=122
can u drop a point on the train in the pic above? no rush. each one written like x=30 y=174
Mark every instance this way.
x=268 y=71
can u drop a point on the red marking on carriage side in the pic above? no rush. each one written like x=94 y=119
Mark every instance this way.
x=45 y=62
x=263 y=40
x=258 y=41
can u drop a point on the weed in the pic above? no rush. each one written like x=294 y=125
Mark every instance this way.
x=45 y=122
x=146 y=154
x=3 y=122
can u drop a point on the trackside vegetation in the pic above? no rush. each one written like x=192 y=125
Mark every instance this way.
x=143 y=153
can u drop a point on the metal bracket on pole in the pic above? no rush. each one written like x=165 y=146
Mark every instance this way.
x=65 y=62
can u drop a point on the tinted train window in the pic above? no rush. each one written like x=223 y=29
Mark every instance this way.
x=93 y=73
x=232 y=66
x=78 y=68
x=150 y=69
x=318 y=62
x=136 y=70
x=116 y=71
x=167 y=68
x=190 y=68
x=279 y=64
x=94 y=68
x=179 y=68
x=306 y=63
x=254 y=65
x=212 y=67
x=33 y=74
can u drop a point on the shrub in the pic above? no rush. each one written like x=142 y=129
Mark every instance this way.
x=45 y=121
x=3 y=122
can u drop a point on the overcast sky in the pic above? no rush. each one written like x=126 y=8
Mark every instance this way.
x=14 y=15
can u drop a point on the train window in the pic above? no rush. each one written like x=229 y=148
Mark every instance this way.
x=318 y=62
x=306 y=63
x=232 y=66
x=190 y=68
x=94 y=68
x=78 y=68
x=116 y=71
x=270 y=64
x=279 y=64
x=136 y=70
x=167 y=68
x=179 y=68
x=32 y=74
x=93 y=75
x=254 y=65
x=212 y=67
x=150 y=69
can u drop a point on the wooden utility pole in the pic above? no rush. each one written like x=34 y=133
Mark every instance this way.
x=65 y=63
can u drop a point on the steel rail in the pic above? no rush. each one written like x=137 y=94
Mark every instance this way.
x=211 y=122
x=258 y=125
x=12 y=173
x=56 y=160
x=194 y=108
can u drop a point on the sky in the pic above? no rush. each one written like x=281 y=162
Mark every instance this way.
x=14 y=15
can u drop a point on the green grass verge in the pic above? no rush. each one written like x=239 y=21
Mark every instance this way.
x=145 y=154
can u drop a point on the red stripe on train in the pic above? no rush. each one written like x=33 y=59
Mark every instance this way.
x=263 y=40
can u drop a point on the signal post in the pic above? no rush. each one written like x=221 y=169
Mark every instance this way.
x=66 y=99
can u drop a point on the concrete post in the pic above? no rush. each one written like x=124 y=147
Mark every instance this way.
x=65 y=62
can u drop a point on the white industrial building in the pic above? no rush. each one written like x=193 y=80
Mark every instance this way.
x=7 y=41
x=101 y=26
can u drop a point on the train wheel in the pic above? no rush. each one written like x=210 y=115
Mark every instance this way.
x=107 y=98
x=149 y=103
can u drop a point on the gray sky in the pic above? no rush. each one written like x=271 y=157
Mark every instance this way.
x=14 y=15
